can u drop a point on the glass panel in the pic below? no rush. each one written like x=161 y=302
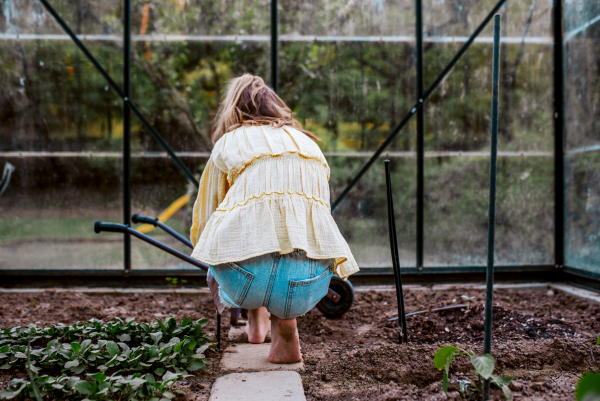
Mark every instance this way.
x=362 y=215
x=343 y=18
x=582 y=115
x=457 y=137
x=60 y=144
x=157 y=184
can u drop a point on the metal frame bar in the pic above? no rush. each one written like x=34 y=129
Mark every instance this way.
x=417 y=105
x=274 y=47
x=420 y=134
x=126 y=133
x=559 y=145
x=489 y=290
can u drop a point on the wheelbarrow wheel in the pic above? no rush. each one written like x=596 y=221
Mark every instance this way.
x=336 y=309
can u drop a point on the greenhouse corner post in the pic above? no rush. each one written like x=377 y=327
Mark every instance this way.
x=274 y=47
x=559 y=154
x=126 y=133
x=420 y=133
x=489 y=290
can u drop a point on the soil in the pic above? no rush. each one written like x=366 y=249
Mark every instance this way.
x=544 y=339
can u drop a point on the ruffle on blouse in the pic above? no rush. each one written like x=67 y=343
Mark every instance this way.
x=283 y=174
x=247 y=144
x=274 y=223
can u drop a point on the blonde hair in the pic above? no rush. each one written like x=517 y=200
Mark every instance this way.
x=250 y=102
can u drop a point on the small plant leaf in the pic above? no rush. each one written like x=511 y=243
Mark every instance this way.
x=124 y=337
x=484 y=365
x=598 y=342
x=76 y=347
x=588 y=387
x=99 y=377
x=196 y=364
x=159 y=371
x=503 y=383
x=112 y=348
x=86 y=387
x=443 y=356
x=71 y=364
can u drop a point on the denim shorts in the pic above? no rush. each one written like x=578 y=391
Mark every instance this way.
x=287 y=285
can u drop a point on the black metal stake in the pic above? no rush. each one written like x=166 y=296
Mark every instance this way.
x=420 y=135
x=417 y=105
x=402 y=332
x=489 y=291
x=274 y=47
x=559 y=155
x=126 y=132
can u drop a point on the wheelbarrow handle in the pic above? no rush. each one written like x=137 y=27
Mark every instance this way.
x=138 y=218
x=121 y=228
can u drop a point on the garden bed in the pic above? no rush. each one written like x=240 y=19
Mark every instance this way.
x=544 y=339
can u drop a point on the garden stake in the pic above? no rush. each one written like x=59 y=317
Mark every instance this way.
x=218 y=331
x=489 y=291
x=402 y=335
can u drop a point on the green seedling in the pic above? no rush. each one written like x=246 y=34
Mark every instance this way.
x=174 y=281
x=468 y=299
x=106 y=353
x=484 y=366
x=588 y=387
x=598 y=342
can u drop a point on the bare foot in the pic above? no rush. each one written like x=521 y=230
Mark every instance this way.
x=285 y=343
x=258 y=325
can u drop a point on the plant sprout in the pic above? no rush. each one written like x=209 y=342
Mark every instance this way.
x=484 y=366
x=588 y=387
x=468 y=299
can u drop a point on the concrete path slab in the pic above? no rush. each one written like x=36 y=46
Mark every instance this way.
x=253 y=358
x=259 y=386
x=237 y=335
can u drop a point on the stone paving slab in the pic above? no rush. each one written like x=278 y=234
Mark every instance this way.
x=259 y=386
x=237 y=335
x=253 y=358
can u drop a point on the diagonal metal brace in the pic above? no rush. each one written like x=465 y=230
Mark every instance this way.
x=128 y=101
x=417 y=105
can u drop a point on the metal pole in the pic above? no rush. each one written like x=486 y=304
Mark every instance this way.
x=489 y=290
x=126 y=133
x=420 y=134
x=417 y=105
x=121 y=93
x=402 y=332
x=274 y=47
x=559 y=146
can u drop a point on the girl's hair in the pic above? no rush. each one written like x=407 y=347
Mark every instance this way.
x=250 y=102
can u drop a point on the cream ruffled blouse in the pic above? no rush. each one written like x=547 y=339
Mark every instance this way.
x=266 y=190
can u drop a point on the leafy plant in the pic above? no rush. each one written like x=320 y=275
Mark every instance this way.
x=484 y=366
x=598 y=342
x=588 y=387
x=96 y=349
x=173 y=281
x=468 y=299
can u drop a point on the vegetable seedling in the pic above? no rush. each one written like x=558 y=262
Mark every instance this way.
x=588 y=387
x=484 y=366
x=468 y=299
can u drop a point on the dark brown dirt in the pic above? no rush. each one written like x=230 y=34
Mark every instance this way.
x=545 y=339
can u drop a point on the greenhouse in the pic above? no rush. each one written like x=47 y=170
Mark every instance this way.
x=478 y=239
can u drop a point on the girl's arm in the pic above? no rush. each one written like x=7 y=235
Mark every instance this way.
x=212 y=191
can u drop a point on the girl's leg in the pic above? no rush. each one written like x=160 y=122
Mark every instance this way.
x=258 y=325
x=285 y=343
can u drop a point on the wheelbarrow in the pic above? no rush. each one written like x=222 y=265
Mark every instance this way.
x=338 y=300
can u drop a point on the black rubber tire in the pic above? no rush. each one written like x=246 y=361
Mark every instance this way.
x=331 y=309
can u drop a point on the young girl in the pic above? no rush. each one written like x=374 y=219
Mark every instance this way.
x=262 y=218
